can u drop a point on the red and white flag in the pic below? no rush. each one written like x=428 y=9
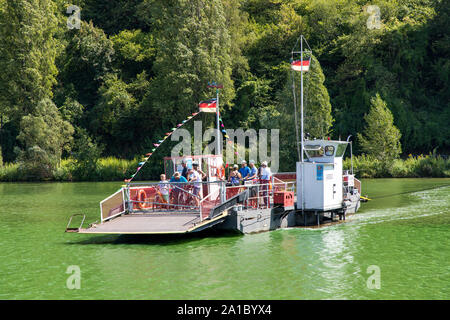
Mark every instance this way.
x=297 y=65
x=208 y=106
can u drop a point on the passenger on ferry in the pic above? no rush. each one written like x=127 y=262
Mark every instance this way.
x=253 y=171
x=235 y=177
x=196 y=176
x=184 y=173
x=176 y=188
x=253 y=179
x=244 y=171
x=177 y=177
x=163 y=188
x=265 y=172
x=265 y=176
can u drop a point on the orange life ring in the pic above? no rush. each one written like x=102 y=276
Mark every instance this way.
x=142 y=205
x=221 y=172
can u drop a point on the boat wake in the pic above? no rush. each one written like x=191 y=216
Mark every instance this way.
x=422 y=204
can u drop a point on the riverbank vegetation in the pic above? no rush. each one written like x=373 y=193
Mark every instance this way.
x=77 y=96
x=113 y=169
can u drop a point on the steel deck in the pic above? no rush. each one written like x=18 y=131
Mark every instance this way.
x=151 y=224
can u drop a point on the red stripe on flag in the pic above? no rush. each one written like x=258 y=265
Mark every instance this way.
x=297 y=65
x=208 y=106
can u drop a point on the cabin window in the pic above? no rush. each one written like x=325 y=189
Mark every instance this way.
x=314 y=151
x=341 y=149
x=329 y=150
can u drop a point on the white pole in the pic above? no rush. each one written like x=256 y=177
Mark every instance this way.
x=301 y=112
x=217 y=119
x=295 y=115
x=301 y=97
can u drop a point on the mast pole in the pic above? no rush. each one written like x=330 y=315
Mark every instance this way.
x=217 y=120
x=301 y=96
x=295 y=113
x=301 y=134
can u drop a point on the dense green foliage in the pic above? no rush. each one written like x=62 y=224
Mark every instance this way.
x=136 y=68
x=113 y=169
x=412 y=167
x=381 y=138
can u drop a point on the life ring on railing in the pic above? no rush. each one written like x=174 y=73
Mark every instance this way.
x=141 y=198
x=221 y=172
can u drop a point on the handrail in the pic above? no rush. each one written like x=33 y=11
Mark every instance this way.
x=70 y=220
x=238 y=198
x=260 y=194
x=200 y=206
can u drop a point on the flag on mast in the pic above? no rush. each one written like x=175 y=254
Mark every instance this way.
x=208 y=106
x=296 y=65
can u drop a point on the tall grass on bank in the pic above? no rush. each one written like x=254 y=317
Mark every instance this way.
x=412 y=167
x=113 y=169
x=106 y=169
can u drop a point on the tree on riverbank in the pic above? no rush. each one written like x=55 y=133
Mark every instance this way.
x=381 y=139
x=28 y=49
x=44 y=136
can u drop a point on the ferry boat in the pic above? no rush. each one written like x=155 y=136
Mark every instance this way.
x=319 y=191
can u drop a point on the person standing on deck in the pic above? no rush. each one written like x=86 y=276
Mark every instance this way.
x=177 y=188
x=163 y=188
x=244 y=171
x=197 y=176
x=235 y=176
x=253 y=179
x=184 y=173
x=265 y=176
x=253 y=171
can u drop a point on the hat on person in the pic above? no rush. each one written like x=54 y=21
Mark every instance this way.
x=176 y=174
x=264 y=163
x=243 y=161
x=252 y=161
x=235 y=166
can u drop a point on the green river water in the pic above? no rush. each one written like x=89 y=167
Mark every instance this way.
x=404 y=231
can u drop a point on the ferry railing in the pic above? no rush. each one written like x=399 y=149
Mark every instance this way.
x=146 y=197
x=358 y=185
x=261 y=192
x=210 y=201
x=180 y=196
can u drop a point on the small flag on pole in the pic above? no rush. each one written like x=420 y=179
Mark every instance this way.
x=208 y=106
x=297 y=65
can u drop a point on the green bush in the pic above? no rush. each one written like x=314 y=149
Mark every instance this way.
x=113 y=169
x=9 y=172
x=412 y=167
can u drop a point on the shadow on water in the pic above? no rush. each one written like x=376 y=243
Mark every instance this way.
x=157 y=239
